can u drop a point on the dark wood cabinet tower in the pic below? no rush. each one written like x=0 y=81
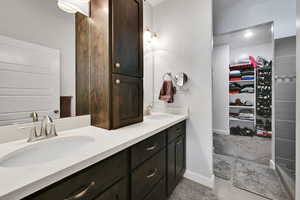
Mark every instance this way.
x=116 y=63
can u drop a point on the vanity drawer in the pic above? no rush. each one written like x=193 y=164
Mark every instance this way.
x=119 y=191
x=145 y=177
x=145 y=149
x=88 y=183
x=176 y=131
x=159 y=192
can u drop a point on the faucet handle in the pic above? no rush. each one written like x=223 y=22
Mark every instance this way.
x=52 y=132
x=33 y=134
x=34 y=116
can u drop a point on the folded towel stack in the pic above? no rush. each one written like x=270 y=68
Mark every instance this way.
x=243 y=114
x=235 y=88
x=238 y=102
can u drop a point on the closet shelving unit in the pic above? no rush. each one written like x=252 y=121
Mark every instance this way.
x=250 y=123
x=259 y=117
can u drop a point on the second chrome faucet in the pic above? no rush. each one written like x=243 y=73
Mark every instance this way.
x=47 y=129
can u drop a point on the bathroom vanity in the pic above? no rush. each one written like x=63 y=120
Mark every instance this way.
x=142 y=161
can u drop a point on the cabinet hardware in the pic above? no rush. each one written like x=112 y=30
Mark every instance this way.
x=82 y=193
x=118 y=81
x=152 y=174
x=118 y=65
x=152 y=148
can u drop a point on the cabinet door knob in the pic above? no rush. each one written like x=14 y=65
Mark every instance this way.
x=118 y=81
x=118 y=65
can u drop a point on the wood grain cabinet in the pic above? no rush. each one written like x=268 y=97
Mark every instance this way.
x=176 y=162
x=119 y=191
x=127 y=100
x=115 y=64
x=149 y=170
x=90 y=182
x=127 y=49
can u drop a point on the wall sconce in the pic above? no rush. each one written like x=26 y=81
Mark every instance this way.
x=73 y=6
x=150 y=37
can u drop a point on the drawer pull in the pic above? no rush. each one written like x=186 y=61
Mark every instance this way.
x=151 y=148
x=152 y=174
x=82 y=193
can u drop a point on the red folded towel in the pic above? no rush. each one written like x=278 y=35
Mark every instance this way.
x=167 y=92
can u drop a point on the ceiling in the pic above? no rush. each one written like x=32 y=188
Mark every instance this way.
x=261 y=34
x=221 y=5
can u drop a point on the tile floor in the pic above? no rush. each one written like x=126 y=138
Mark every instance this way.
x=254 y=149
x=231 y=147
x=223 y=190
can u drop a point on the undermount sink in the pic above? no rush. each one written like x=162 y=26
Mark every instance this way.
x=45 y=151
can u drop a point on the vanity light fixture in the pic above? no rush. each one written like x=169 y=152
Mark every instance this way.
x=154 y=39
x=150 y=37
x=66 y=6
x=147 y=35
x=248 y=34
x=74 y=6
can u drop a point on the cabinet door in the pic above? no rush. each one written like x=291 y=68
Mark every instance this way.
x=176 y=163
x=127 y=39
x=119 y=191
x=159 y=192
x=127 y=100
x=180 y=158
x=171 y=168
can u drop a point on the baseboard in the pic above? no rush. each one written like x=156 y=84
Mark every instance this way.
x=272 y=165
x=208 y=182
x=223 y=132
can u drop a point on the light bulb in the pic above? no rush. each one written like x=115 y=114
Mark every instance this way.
x=147 y=35
x=155 y=39
x=248 y=34
x=67 y=7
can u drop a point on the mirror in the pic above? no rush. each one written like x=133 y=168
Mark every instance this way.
x=37 y=61
x=181 y=79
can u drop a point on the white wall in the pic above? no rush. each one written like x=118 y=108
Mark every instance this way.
x=41 y=22
x=298 y=106
x=148 y=57
x=185 y=45
x=221 y=61
x=239 y=16
x=264 y=50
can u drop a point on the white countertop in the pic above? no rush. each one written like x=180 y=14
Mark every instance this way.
x=17 y=182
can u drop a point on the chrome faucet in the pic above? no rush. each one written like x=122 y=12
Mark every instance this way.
x=48 y=130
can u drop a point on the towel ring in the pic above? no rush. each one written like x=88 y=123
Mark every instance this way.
x=168 y=75
x=179 y=80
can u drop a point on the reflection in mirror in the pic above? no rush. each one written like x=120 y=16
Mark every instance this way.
x=37 y=61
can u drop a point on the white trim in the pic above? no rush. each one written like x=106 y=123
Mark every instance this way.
x=272 y=165
x=223 y=132
x=208 y=182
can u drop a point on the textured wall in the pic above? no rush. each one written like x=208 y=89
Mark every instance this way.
x=185 y=45
x=285 y=106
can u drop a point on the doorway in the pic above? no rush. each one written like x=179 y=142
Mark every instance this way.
x=250 y=105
